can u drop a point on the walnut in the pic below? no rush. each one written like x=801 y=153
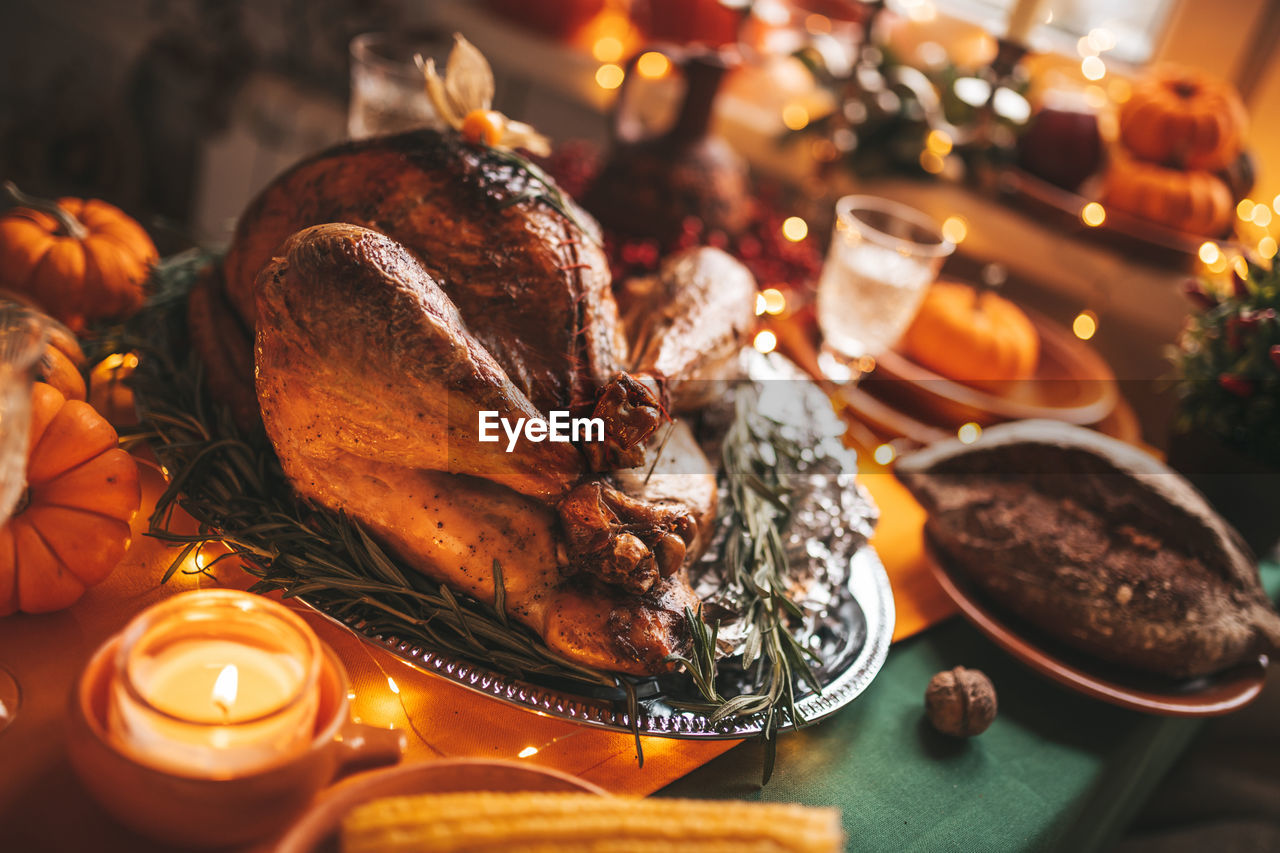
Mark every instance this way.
x=960 y=702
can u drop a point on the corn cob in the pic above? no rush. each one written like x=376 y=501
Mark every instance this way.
x=582 y=823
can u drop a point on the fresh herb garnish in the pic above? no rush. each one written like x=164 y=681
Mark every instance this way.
x=755 y=563
x=541 y=187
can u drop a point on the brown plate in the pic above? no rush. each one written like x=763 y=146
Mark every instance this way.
x=1072 y=383
x=317 y=829
x=1209 y=696
x=1138 y=237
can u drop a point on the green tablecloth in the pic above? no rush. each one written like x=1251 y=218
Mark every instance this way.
x=1056 y=771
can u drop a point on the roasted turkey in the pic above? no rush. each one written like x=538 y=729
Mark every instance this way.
x=397 y=287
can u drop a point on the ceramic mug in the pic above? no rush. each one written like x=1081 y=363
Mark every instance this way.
x=197 y=812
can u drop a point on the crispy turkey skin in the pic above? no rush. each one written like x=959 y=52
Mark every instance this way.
x=369 y=386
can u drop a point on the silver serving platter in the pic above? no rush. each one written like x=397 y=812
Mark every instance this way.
x=837 y=580
x=868 y=586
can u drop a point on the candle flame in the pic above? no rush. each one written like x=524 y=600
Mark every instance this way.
x=226 y=686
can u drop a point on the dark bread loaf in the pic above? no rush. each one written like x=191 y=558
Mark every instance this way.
x=1097 y=543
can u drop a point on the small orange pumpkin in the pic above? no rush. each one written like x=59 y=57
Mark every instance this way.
x=1183 y=118
x=72 y=526
x=1192 y=201
x=973 y=337
x=60 y=365
x=79 y=259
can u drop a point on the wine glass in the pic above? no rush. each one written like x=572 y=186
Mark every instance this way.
x=883 y=257
x=22 y=343
x=388 y=92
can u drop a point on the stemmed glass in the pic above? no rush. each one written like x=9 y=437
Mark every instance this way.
x=883 y=257
x=22 y=343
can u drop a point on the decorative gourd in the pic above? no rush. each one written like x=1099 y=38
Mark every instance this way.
x=1184 y=118
x=72 y=525
x=1192 y=201
x=79 y=259
x=60 y=365
x=973 y=337
x=60 y=368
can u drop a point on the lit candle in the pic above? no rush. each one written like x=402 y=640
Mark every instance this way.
x=215 y=684
x=1023 y=19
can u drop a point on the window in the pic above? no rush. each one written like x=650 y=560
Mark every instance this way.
x=1128 y=31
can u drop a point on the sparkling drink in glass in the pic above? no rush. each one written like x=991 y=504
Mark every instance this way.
x=882 y=259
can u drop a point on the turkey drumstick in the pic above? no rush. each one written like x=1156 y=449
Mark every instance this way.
x=360 y=355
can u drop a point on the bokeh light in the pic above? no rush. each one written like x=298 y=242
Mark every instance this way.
x=795 y=117
x=653 y=65
x=609 y=76
x=1085 y=325
x=795 y=229
x=955 y=229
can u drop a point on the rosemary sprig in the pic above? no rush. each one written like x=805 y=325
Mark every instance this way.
x=756 y=566
x=542 y=188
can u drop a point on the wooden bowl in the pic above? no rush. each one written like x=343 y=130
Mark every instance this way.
x=317 y=830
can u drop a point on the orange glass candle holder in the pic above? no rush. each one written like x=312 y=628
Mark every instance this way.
x=227 y=787
x=214 y=683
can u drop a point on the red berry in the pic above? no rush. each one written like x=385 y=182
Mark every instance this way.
x=1237 y=385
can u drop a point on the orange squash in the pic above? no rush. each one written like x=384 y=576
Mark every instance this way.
x=79 y=259
x=60 y=365
x=1192 y=201
x=978 y=338
x=1183 y=118
x=72 y=526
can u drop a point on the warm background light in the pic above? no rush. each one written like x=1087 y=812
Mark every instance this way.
x=938 y=142
x=795 y=117
x=1093 y=214
x=969 y=433
x=774 y=302
x=653 y=65
x=766 y=341
x=955 y=229
x=1085 y=326
x=1209 y=252
x=609 y=76
x=795 y=229
x=607 y=49
x=930 y=162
